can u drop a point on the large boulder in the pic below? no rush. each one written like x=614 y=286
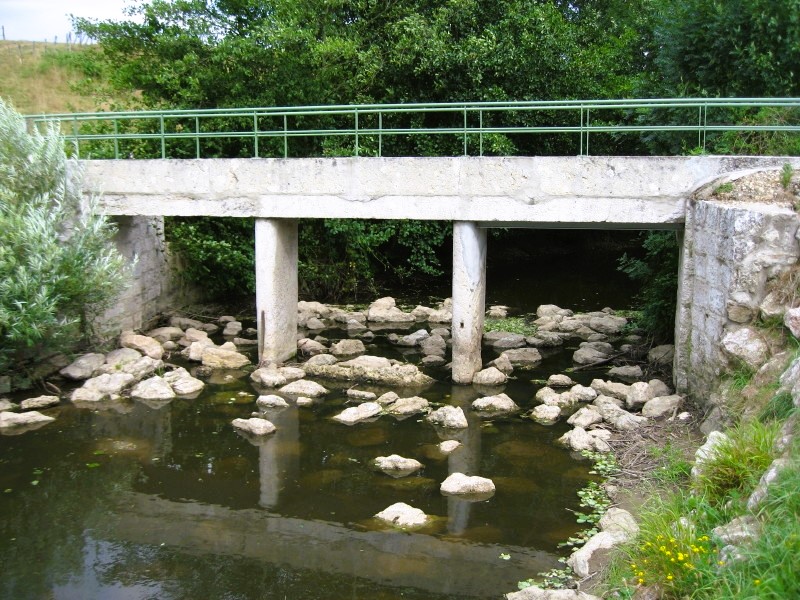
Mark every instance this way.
x=146 y=345
x=490 y=376
x=708 y=452
x=347 y=348
x=458 y=484
x=309 y=347
x=372 y=369
x=10 y=421
x=433 y=345
x=611 y=388
x=523 y=357
x=405 y=407
x=592 y=352
x=608 y=324
x=585 y=417
x=304 y=387
x=451 y=417
x=103 y=387
x=403 y=515
x=356 y=414
x=499 y=404
x=617 y=417
x=384 y=310
x=544 y=414
x=219 y=358
x=183 y=384
x=84 y=366
x=747 y=346
x=617 y=526
x=663 y=406
x=155 y=388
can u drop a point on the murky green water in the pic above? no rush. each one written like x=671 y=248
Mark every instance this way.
x=137 y=501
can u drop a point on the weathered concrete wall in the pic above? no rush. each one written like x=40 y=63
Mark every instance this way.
x=577 y=191
x=730 y=251
x=155 y=286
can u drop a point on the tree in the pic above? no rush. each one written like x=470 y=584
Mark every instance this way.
x=58 y=265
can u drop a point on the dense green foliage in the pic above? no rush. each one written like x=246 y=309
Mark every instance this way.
x=58 y=266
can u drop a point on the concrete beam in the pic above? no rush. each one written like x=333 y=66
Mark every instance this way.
x=542 y=191
x=276 y=289
x=469 y=299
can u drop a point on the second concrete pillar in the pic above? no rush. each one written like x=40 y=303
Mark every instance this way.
x=469 y=298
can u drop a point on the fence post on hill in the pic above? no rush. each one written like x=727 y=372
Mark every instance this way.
x=3 y=27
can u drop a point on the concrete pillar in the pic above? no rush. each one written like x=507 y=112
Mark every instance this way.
x=469 y=298
x=276 y=288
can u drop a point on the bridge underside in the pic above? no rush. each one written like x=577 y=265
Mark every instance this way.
x=474 y=193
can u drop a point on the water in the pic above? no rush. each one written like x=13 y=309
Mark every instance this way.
x=132 y=501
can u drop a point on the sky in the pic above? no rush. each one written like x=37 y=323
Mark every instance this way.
x=39 y=20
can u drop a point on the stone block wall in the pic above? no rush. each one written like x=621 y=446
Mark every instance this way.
x=155 y=284
x=730 y=252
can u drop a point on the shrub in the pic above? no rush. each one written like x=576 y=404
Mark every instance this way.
x=58 y=265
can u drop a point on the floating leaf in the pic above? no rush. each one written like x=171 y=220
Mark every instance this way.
x=505 y=556
x=92 y=465
x=35 y=482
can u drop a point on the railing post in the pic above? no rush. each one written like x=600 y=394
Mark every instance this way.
x=163 y=141
x=255 y=133
x=380 y=134
x=116 y=139
x=75 y=138
x=480 y=132
x=285 y=137
x=197 y=135
x=588 y=112
x=465 y=131
x=355 y=112
x=580 y=143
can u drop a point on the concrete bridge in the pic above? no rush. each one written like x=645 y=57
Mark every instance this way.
x=474 y=193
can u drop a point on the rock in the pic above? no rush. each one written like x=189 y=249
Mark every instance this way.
x=618 y=418
x=582 y=393
x=117 y=359
x=254 y=426
x=545 y=414
x=746 y=346
x=762 y=489
x=622 y=527
x=387 y=398
x=39 y=402
x=433 y=361
x=413 y=339
x=458 y=484
x=373 y=369
x=661 y=355
x=402 y=515
x=504 y=340
x=237 y=341
x=550 y=310
x=143 y=367
x=544 y=394
x=348 y=348
x=490 y=376
x=303 y=401
x=577 y=439
x=304 y=387
x=740 y=531
x=708 y=451
x=627 y=372
x=421 y=313
x=663 y=406
x=638 y=394
x=620 y=523
x=356 y=414
x=608 y=324
x=6 y=404
x=321 y=360
x=499 y=404
x=451 y=417
x=497 y=312
x=361 y=395
x=166 y=334
x=739 y=313
x=225 y=319
x=395 y=462
x=185 y=323
x=155 y=388
x=271 y=401
x=502 y=364
x=545 y=339
x=658 y=388
x=268 y=377
x=523 y=357
x=146 y=345
x=434 y=344
x=449 y=446
x=182 y=383
x=771 y=307
x=11 y=420
x=315 y=324
x=219 y=358
x=308 y=347
x=102 y=387
x=384 y=310
x=232 y=328
x=792 y=321
x=84 y=366
x=592 y=352
x=194 y=351
x=611 y=388
x=405 y=407
x=193 y=335
x=443 y=314
x=585 y=417
x=559 y=381
x=536 y=593
x=292 y=373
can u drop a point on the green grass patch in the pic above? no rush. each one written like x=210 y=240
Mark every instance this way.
x=521 y=325
x=779 y=408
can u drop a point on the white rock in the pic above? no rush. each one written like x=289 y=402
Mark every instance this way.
x=361 y=395
x=166 y=334
x=582 y=393
x=708 y=451
x=395 y=462
x=407 y=406
x=220 y=358
x=746 y=345
x=10 y=420
x=611 y=388
x=490 y=376
x=523 y=357
x=500 y=403
x=661 y=355
x=84 y=366
x=449 y=416
x=387 y=398
x=102 y=387
x=346 y=348
x=303 y=401
x=402 y=515
x=448 y=446
x=304 y=387
x=545 y=414
x=356 y=414
x=658 y=388
x=146 y=345
x=638 y=394
x=577 y=439
x=458 y=484
x=585 y=417
x=271 y=401
x=792 y=321
x=560 y=381
x=232 y=328
x=39 y=402
x=663 y=406
x=254 y=426
x=183 y=384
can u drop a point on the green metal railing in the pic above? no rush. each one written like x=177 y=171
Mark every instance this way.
x=473 y=123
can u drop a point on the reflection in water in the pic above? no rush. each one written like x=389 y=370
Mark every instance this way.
x=169 y=502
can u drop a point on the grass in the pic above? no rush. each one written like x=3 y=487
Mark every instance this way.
x=46 y=78
x=520 y=325
x=674 y=467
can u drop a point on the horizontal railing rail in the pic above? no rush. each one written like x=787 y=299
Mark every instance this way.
x=371 y=125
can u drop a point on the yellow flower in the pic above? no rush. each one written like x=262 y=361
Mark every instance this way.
x=641 y=581
x=669 y=577
x=757 y=581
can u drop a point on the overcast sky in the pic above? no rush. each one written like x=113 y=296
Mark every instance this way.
x=37 y=20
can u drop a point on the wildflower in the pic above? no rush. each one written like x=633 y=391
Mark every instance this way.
x=757 y=581
x=669 y=577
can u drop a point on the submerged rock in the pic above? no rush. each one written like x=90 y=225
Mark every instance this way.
x=397 y=465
